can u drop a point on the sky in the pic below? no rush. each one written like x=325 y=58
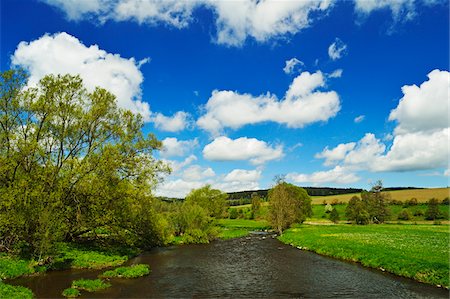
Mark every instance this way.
x=325 y=93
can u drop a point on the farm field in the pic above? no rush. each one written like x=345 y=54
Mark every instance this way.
x=414 y=251
x=422 y=195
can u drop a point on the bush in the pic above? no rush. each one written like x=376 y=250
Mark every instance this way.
x=133 y=271
x=90 y=285
x=433 y=212
x=412 y=202
x=418 y=212
x=445 y=201
x=328 y=208
x=334 y=216
x=404 y=215
x=71 y=293
x=233 y=213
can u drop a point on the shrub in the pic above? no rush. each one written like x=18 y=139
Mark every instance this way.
x=334 y=216
x=133 y=271
x=71 y=293
x=404 y=215
x=418 y=212
x=328 y=208
x=90 y=285
x=445 y=201
x=433 y=212
x=233 y=214
x=411 y=202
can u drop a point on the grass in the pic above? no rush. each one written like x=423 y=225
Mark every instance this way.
x=14 y=292
x=236 y=228
x=11 y=267
x=133 y=271
x=90 y=285
x=415 y=251
x=422 y=195
x=79 y=257
x=71 y=293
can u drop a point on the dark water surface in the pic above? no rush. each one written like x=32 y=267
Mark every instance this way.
x=253 y=267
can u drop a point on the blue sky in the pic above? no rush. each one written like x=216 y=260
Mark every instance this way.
x=320 y=91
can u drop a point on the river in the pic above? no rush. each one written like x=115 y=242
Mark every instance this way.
x=257 y=266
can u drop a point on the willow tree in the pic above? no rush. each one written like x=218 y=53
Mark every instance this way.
x=288 y=204
x=70 y=161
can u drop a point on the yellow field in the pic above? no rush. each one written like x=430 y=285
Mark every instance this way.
x=422 y=195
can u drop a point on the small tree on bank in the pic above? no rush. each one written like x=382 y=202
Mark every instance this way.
x=288 y=204
x=334 y=215
x=256 y=204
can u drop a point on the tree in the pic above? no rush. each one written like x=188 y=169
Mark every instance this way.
x=256 y=204
x=288 y=204
x=432 y=212
x=213 y=201
x=71 y=161
x=334 y=215
x=376 y=203
x=356 y=211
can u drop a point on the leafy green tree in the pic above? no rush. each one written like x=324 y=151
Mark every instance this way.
x=71 y=161
x=256 y=204
x=288 y=204
x=334 y=215
x=376 y=203
x=404 y=214
x=432 y=212
x=213 y=201
x=356 y=211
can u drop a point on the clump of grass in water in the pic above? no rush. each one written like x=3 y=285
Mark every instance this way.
x=128 y=272
x=14 y=292
x=90 y=285
x=71 y=293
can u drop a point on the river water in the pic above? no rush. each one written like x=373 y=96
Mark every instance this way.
x=257 y=266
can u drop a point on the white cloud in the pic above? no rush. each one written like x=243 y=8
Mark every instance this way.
x=177 y=188
x=399 y=8
x=424 y=107
x=420 y=139
x=336 y=74
x=447 y=172
x=62 y=53
x=332 y=156
x=174 y=147
x=359 y=118
x=243 y=175
x=176 y=166
x=292 y=64
x=337 y=49
x=197 y=173
x=235 y=21
x=178 y=122
x=254 y=150
x=303 y=104
x=338 y=175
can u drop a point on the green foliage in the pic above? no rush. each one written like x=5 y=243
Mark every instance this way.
x=71 y=293
x=328 y=208
x=14 y=292
x=415 y=251
x=334 y=215
x=356 y=211
x=288 y=204
x=256 y=204
x=90 y=285
x=211 y=200
x=232 y=233
x=405 y=214
x=71 y=162
x=376 y=205
x=133 y=271
x=11 y=267
x=446 y=201
x=433 y=212
x=233 y=213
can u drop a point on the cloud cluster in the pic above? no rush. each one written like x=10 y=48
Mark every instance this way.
x=292 y=65
x=338 y=175
x=256 y=151
x=302 y=104
x=172 y=147
x=175 y=123
x=62 y=53
x=420 y=139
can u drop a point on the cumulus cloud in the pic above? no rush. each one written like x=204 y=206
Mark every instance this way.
x=177 y=122
x=291 y=65
x=302 y=104
x=359 y=119
x=399 y=8
x=338 y=175
x=173 y=147
x=176 y=166
x=62 y=53
x=252 y=149
x=420 y=139
x=197 y=173
x=424 y=107
x=337 y=49
x=243 y=175
x=235 y=21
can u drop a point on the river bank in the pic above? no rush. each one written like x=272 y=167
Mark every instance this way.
x=419 y=252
